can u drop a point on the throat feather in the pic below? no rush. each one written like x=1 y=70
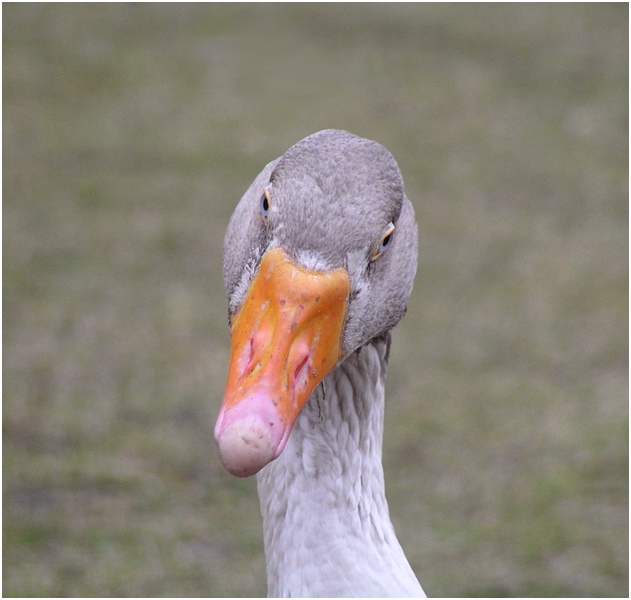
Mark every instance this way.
x=323 y=500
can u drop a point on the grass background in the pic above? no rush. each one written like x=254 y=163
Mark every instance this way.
x=131 y=131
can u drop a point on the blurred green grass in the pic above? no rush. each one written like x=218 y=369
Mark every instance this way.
x=131 y=131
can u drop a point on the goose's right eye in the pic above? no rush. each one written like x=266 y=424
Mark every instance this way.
x=265 y=203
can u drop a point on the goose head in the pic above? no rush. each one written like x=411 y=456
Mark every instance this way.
x=319 y=259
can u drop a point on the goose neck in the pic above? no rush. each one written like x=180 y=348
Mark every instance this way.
x=325 y=514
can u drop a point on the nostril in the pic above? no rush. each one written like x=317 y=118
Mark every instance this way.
x=246 y=358
x=250 y=355
x=253 y=351
x=301 y=372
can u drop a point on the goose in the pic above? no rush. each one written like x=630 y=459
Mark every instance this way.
x=319 y=261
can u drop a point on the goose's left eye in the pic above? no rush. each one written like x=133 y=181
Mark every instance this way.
x=265 y=203
x=384 y=243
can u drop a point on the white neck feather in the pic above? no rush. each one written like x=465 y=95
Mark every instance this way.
x=325 y=516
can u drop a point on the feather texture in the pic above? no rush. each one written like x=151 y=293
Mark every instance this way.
x=327 y=528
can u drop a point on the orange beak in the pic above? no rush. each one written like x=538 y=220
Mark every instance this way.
x=285 y=339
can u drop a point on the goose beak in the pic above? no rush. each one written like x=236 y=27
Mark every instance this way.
x=285 y=339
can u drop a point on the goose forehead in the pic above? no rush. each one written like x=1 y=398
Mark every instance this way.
x=334 y=173
x=330 y=219
x=326 y=233
x=312 y=196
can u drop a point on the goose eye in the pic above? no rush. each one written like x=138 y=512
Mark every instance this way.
x=384 y=243
x=265 y=203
